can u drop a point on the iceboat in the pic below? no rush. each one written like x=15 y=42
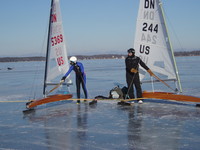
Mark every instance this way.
x=56 y=64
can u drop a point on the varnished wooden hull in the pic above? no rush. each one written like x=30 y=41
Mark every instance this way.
x=170 y=96
x=49 y=99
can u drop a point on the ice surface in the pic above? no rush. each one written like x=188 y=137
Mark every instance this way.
x=153 y=125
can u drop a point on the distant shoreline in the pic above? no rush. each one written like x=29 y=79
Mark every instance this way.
x=82 y=57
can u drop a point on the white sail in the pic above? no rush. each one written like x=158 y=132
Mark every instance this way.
x=152 y=42
x=57 y=63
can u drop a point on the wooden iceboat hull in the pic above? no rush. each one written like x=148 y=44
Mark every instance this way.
x=170 y=96
x=49 y=99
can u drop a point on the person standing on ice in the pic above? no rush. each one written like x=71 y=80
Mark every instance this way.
x=80 y=76
x=132 y=63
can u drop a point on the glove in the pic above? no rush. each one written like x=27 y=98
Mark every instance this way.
x=63 y=79
x=133 y=70
x=150 y=72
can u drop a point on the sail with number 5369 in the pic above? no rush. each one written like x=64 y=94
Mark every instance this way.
x=56 y=56
x=56 y=60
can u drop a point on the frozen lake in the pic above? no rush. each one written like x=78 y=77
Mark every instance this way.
x=153 y=125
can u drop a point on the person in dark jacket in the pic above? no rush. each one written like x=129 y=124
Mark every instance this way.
x=132 y=75
x=80 y=76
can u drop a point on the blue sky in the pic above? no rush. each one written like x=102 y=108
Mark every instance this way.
x=91 y=26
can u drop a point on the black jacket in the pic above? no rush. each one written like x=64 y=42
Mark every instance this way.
x=133 y=62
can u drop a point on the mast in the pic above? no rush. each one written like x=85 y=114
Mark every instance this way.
x=171 y=48
x=47 y=51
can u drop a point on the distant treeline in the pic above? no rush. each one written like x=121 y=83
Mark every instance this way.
x=81 y=57
x=16 y=59
x=189 y=53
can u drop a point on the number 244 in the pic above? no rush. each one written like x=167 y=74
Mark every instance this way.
x=150 y=27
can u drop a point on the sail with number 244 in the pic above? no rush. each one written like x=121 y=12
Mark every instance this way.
x=153 y=46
